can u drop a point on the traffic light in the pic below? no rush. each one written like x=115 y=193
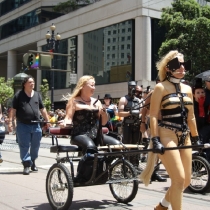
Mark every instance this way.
x=25 y=59
x=40 y=61
x=45 y=61
x=31 y=58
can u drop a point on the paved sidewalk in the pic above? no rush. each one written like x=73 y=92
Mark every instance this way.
x=28 y=192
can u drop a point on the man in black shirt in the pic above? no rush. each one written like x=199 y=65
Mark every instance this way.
x=26 y=106
x=129 y=108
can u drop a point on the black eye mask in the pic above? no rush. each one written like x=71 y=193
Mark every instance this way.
x=174 y=64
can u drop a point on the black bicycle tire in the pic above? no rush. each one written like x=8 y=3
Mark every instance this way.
x=64 y=169
x=206 y=164
x=135 y=184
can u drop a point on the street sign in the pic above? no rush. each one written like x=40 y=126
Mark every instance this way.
x=73 y=78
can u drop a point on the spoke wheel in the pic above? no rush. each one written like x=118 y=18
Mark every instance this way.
x=200 y=182
x=124 y=186
x=59 y=187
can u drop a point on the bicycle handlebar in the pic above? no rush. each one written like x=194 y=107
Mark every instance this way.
x=38 y=121
x=207 y=145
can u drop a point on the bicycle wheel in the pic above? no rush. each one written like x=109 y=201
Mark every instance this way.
x=59 y=187
x=200 y=181
x=124 y=186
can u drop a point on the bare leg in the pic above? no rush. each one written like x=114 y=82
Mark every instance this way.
x=178 y=165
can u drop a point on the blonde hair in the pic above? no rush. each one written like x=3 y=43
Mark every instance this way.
x=77 y=90
x=161 y=64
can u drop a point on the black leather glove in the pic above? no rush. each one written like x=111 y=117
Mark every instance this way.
x=157 y=146
x=196 y=140
x=145 y=142
x=135 y=113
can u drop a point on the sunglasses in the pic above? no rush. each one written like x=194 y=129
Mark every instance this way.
x=138 y=92
x=174 y=64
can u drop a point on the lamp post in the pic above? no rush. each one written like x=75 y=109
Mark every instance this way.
x=53 y=46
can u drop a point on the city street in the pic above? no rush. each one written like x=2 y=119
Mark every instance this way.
x=28 y=192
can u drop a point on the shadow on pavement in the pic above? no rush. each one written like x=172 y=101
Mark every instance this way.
x=187 y=191
x=44 y=206
x=83 y=204
x=11 y=173
x=103 y=204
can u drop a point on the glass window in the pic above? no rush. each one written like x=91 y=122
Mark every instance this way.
x=62 y=79
x=109 y=32
x=27 y=21
x=123 y=30
x=9 y=5
x=112 y=64
x=158 y=36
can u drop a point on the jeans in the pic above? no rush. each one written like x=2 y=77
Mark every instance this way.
x=29 y=137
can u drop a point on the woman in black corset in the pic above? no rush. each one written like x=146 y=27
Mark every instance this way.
x=175 y=102
x=83 y=111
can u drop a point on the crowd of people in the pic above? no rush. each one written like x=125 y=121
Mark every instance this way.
x=173 y=114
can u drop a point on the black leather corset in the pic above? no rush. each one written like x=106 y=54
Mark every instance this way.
x=85 y=122
x=174 y=118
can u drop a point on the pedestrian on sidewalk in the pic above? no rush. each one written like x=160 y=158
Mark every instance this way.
x=26 y=106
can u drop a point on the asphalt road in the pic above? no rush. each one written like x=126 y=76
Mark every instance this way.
x=19 y=192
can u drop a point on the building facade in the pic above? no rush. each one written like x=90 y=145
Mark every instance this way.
x=113 y=40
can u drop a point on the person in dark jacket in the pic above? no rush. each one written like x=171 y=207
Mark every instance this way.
x=199 y=99
x=204 y=127
x=129 y=108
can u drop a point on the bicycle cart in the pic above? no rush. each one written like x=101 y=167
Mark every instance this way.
x=200 y=177
x=110 y=166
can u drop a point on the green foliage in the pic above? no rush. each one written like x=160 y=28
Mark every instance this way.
x=6 y=90
x=44 y=93
x=70 y=5
x=188 y=30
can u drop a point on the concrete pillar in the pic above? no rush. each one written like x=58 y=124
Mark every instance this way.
x=143 y=48
x=11 y=64
x=80 y=66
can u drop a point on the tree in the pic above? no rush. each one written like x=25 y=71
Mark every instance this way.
x=188 y=30
x=6 y=90
x=70 y=5
x=44 y=92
